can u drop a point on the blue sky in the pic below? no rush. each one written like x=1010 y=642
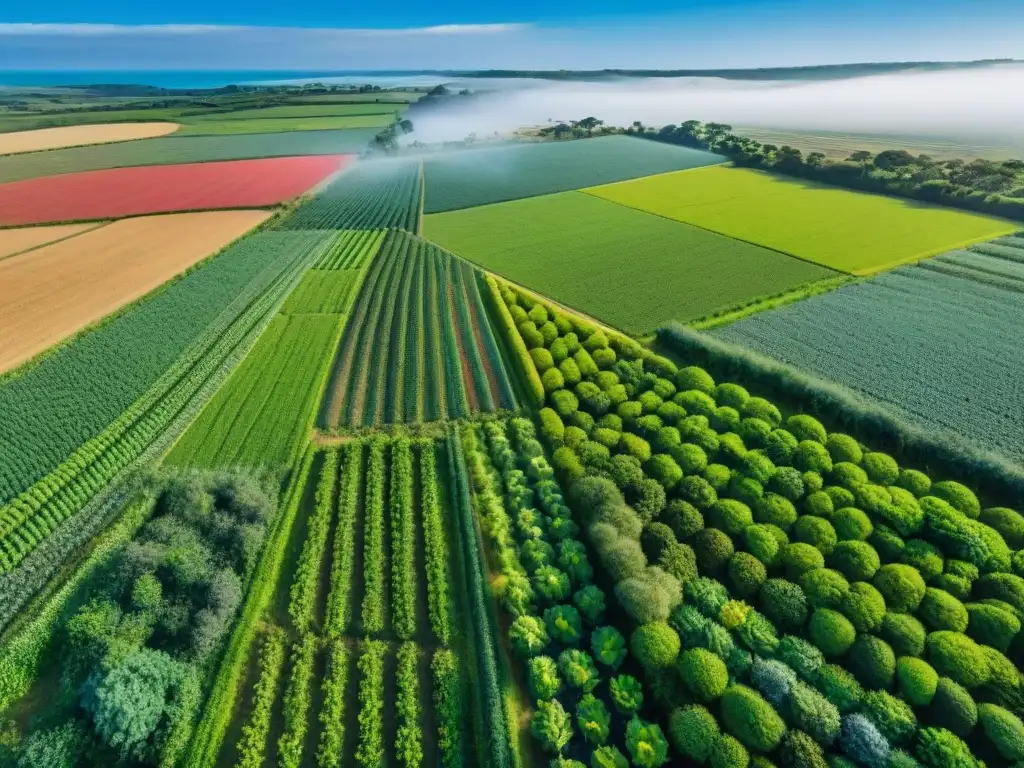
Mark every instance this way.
x=327 y=34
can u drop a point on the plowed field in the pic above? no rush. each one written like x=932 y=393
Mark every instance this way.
x=122 y=192
x=49 y=293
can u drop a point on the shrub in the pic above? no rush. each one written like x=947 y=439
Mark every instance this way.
x=717 y=475
x=584 y=421
x=564 y=402
x=603 y=358
x=543 y=678
x=551 y=426
x=727 y=752
x=759 y=408
x=745 y=489
x=852 y=524
x=690 y=458
x=923 y=556
x=655 y=539
x=831 y=632
x=819 y=504
x=760 y=541
x=784 y=603
x=683 y=518
x=713 y=549
x=1002 y=586
x=862 y=742
x=959 y=496
x=773 y=680
x=893 y=717
x=730 y=516
x=787 y=482
x=585 y=363
x=824 y=587
x=812 y=456
x=901 y=586
x=881 y=468
x=680 y=561
x=646 y=744
x=872 y=662
x=650 y=595
x=992 y=625
x=918 y=483
x=813 y=481
x=843 y=448
x=703 y=673
x=707 y=596
x=635 y=446
x=664 y=469
x=816 y=531
x=839 y=687
x=940 y=610
x=939 y=748
x=649 y=401
x=917 y=680
x=648 y=499
x=626 y=694
x=629 y=411
x=746 y=573
x=696 y=403
x=655 y=645
x=780 y=446
x=693 y=377
x=904 y=633
x=856 y=560
x=609 y=438
x=1007 y=522
x=623 y=558
x=542 y=359
x=864 y=606
x=953 y=707
x=551 y=584
x=773 y=509
x=726 y=419
x=801 y=751
x=552 y=380
x=1004 y=729
x=887 y=543
x=812 y=713
x=528 y=636
x=753 y=431
x=693 y=731
x=849 y=476
x=959 y=658
x=732 y=395
x=564 y=624
x=578 y=670
x=806 y=427
x=799 y=558
x=751 y=719
x=757 y=466
x=804 y=658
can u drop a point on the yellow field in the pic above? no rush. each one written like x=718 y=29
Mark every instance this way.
x=79 y=135
x=14 y=241
x=853 y=232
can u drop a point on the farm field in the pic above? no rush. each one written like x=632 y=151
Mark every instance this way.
x=492 y=175
x=122 y=192
x=300 y=110
x=948 y=321
x=171 y=150
x=630 y=269
x=14 y=241
x=237 y=126
x=419 y=345
x=50 y=293
x=852 y=232
x=370 y=195
x=54 y=138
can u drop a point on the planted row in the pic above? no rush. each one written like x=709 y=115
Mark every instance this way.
x=403 y=540
x=436 y=547
x=253 y=743
x=302 y=605
x=373 y=542
x=339 y=609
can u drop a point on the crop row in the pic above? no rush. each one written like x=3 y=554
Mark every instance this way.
x=371 y=750
x=253 y=742
x=332 y=712
x=436 y=547
x=36 y=513
x=297 y=701
x=339 y=607
x=403 y=540
x=374 y=565
x=449 y=706
x=369 y=195
x=302 y=602
x=409 y=737
x=350 y=249
x=419 y=345
x=722 y=486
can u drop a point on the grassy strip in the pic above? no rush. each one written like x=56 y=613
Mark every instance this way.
x=515 y=340
x=449 y=707
x=736 y=312
x=302 y=605
x=438 y=580
x=339 y=610
x=371 y=700
x=252 y=745
x=297 y=700
x=332 y=712
x=409 y=738
x=209 y=734
x=373 y=541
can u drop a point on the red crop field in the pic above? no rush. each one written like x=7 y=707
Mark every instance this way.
x=111 y=194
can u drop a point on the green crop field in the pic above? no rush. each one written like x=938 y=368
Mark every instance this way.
x=183 y=149
x=852 y=232
x=627 y=268
x=322 y=291
x=297 y=111
x=480 y=176
x=282 y=125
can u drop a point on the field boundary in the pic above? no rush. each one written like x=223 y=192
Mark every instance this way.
x=98 y=224
x=919 y=257
x=736 y=312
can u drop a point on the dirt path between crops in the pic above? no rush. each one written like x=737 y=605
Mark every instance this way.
x=49 y=293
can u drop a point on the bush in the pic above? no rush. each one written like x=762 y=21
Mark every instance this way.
x=757 y=466
x=893 y=717
x=852 y=524
x=747 y=574
x=940 y=610
x=680 y=561
x=578 y=670
x=939 y=748
x=626 y=694
x=819 y=504
x=726 y=419
x=564 y=402
x=816 y=531
x=655 y=539
x=824 y=587
x=904 y=633
x=799 y=558
x=801 y=751
x=864 y=606
x=1002 y=586
x=784 y=603
x=564 y=624
x=753 y=431
x=806 y=427
x=812 y=713
x=655 y=646
x=732 y=395
x=528 y=636
x=849 y=476
x=923 y=556
x=664 y=469
x=804 y=658
x=839 y=687
x=759 y=408
x=542 y=359
x=992 y=625
x=543 y=678
x=813 y=481
x=646 y=744
x=751 y=719
x=1004 y=729
x=959 y=658
x=713 y=549
x=917 y=483
x=552 y=380
x=551 y=725
x=730 y=516
x=703 y=673
x=761 y=542
x=901 y=586
x=690 y=458
x=551 y=426
x=683 y=518
x=856 y=560
x=959 y=496
x=862 y=742
x=831 y=632
x=787 y=482
x=649 y=596
x=744 y=489
x=953 y=707
x=872 y=662
x=812 y=456
x=773 y=680
x=1008 y=523
x=917 y=680
x=843 y=448
x=693 y=377
x=693 y=731
x=773 y=509
x=603 y=358
x=881 y=468
x=887 y=543
x=727 y=752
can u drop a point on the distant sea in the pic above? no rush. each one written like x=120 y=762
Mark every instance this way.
x=198 y=78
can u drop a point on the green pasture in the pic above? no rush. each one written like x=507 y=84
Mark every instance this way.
x=632 y=270
x=282 y=125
